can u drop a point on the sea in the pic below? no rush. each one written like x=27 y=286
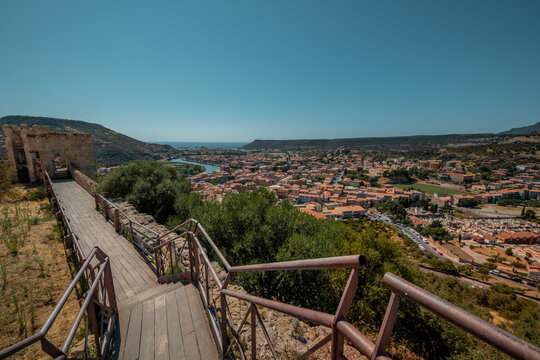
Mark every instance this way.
x=209 y=145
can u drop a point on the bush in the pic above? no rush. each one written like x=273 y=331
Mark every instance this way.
x=151 y=186
x=39 y=193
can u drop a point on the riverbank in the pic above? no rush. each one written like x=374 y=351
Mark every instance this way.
x=207 y=167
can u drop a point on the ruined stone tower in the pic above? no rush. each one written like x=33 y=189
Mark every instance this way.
x=34 y=149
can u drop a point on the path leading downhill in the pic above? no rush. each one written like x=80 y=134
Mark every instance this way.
x=155 y=321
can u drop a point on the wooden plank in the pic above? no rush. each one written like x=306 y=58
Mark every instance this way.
x=184 y=314
x=133 y=337
x=192 y=351
x=161 y=347
x=207 y=347
x=147 y=333
x=176 y=343
x=123 y=320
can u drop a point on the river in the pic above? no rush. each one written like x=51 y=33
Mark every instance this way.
x=208 y=168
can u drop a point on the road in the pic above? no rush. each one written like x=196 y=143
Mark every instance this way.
x=338 y=177
x=411 y=233
x=472 y=283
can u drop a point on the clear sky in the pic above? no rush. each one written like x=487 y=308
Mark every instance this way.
x=243 y=70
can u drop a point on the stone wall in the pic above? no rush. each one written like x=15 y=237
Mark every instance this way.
x=32 y=149
x=23 y=151
x=84 y=181
x=76 y=151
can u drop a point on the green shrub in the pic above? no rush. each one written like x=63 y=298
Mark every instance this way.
x=39 y=193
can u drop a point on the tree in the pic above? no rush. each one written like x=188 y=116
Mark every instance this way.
x=509 y=252
x=468 y=202
x=528 y=214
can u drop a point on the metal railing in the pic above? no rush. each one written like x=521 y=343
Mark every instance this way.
x=99 y=301
x=142 y=237
x=183 y=257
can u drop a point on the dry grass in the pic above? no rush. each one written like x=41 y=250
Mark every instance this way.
x=34 y=274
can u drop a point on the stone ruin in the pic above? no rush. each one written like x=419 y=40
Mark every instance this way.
x=33 y=149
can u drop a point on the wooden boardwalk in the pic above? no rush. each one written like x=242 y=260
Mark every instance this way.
x=155 y=321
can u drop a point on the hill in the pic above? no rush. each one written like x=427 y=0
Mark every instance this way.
x=394 y=143
x=524 y=130
x=111 y=148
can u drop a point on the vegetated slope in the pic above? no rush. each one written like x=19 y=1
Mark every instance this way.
x=524 y=130
x=111 y=148
x=396 y=142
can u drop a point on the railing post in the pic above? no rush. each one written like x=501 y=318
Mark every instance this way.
x=341 y=313
x=106 y=210
x=190 y=251
x=387 y=325
x=131 y=229
x=96 y=197
x=196 y=258
x=337 y=343
x=253 y=333
x=224 y=339
x=116 y=220
x=156 y=258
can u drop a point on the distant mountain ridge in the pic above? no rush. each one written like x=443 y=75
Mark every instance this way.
x=394 y=143
x=111 y=148
x=524 y=130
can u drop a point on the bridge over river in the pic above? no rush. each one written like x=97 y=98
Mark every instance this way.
x=157 y=296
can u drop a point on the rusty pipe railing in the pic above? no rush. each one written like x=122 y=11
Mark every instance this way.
x=483 y=330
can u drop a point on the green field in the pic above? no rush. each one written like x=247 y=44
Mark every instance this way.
x=430 y=189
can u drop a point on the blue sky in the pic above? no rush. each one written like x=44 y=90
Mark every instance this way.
x=243 y=70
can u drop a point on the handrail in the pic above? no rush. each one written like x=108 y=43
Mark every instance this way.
x=339 y=262
x=125 y=215
x=489 y=333
x=296 y=311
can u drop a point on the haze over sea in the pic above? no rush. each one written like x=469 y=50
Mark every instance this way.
x=210 y=145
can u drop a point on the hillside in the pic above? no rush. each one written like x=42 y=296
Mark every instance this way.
x=524 y=130
x=111 y=148
x=395 y=143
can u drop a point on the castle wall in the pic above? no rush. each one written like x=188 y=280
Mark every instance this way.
x=31 y=149
x=76 y=151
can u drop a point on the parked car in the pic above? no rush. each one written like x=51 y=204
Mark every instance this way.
x=439 y=252
x=516 y=279
x=531 y=283
x=494 y=272
x=434 y=248
x=421 y=247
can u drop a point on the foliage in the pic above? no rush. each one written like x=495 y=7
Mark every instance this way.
x=468 y=202
x=398 y=209
x=405 y=176
x=528 y=214
x=152 y=187
x=39 y=193
x=519 y=202
x=436 y=231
